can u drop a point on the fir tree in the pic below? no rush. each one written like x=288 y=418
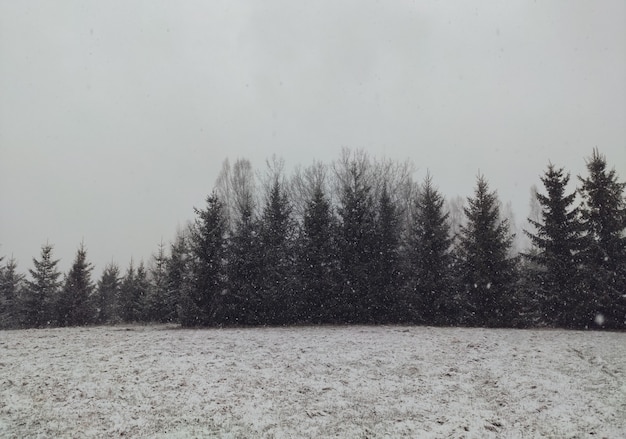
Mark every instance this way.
x=42 y=291
x=142 y=286
x=107 y=295
x=428 y=250
x=11 y=284
x=604 y=247
x=74 y=305
x=386 y=262
x=485 y=269
x=317 y=262
x=276 y=241
x=243 y=300
x=132 y=294
x=177 y=275
x=156 y=301
x=557 y=243
x=202 y=301
x=356 y=244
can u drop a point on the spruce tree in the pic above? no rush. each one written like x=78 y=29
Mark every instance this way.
x=202 y=301
x=132 y=294
x=142 y=286
x=243 y=301
x=486 y=272
x=603 y=216
x=75 y=303
x=177 y=275
x=276 y=241
x=556 y=244
x=156 y=300
x=11 y=284
x=356 y=244
x=428 y=255
x=386 y=261
x=317 y=262
x=107 y=295
x=42 y=290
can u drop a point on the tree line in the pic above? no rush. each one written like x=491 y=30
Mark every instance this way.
x=354 y=242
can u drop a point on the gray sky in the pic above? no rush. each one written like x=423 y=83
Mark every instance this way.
x=115 y=116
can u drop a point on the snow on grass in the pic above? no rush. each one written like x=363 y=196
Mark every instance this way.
x=312 y=382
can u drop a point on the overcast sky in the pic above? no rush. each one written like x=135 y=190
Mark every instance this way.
x=115 y=116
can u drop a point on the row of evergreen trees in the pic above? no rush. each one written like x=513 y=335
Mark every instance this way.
x=354 y=243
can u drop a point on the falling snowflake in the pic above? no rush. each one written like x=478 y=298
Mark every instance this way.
x=599 y=319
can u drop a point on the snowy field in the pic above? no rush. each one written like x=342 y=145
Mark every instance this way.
x=312 y=382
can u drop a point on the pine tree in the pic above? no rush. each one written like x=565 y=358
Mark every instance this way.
x=11 y=284
x=428 y=252
x=132 y=294
x=156 y=300
x=486 y=272
x=75 y=303
x=243 y=301
x=202 y=301
x=177 y=275
x=142 y=286
x=386 y=261
x=42 y=291
x=557 y=243
x=107 y=295
x=603 y=217
x=276 y=239
x=317 y=262
x=356 y=244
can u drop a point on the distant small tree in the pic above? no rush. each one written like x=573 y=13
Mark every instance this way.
x=132 y=293
x=107 y=295
x=486 y=271
x=156 y=300
x=177 y=275
x=11 y=285
x=556 y=244
x=75 y=303
x=42 y=290
x=603 y=215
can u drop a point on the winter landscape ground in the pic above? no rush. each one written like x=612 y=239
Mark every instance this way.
x=312 y=382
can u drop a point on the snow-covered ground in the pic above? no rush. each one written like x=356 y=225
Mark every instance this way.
x=312 y=382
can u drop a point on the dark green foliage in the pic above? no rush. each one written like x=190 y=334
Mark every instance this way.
x=318 y=268
x=243 y=299
x=385 y=264
x=201 y=302
x=369 y=251
x=132 y=300
x=42 y=291
x=356 y=246
x=74 y=307
x=428 y=257
x=557 y=243
x=142 y=286
x=176 y=277
x=277 y=233
x=156 y=300
x=486 y=272
x=107 y=295
x=603 y=217
x=11 y=284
